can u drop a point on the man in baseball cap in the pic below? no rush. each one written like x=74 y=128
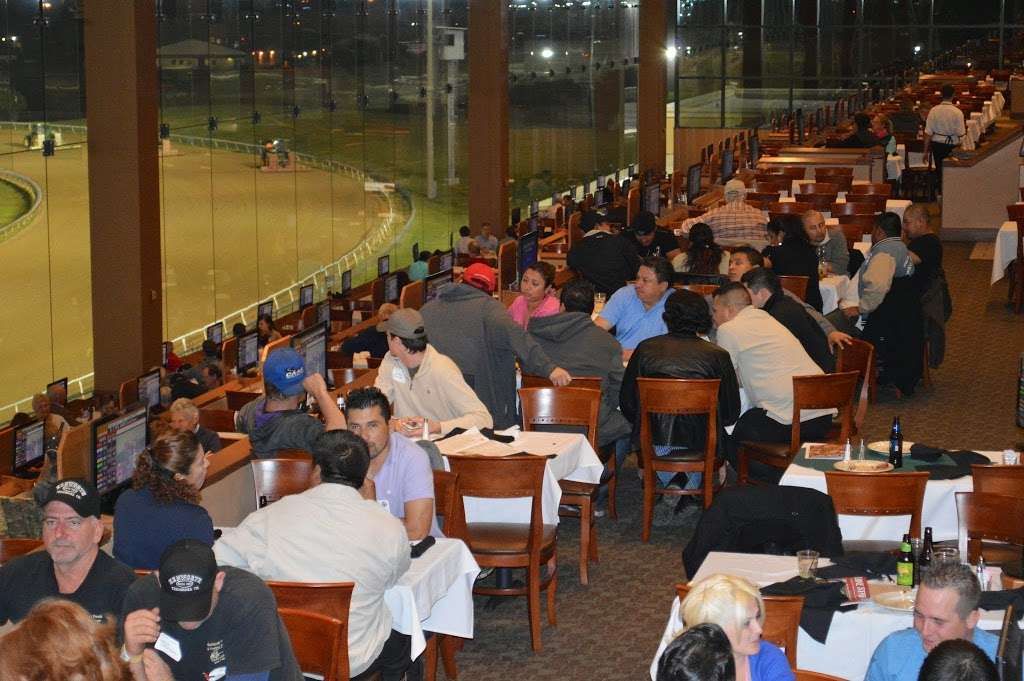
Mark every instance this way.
x=194 y=620
x=480 y=275
x=275 y=422
x=651 y=241
x=72 y=566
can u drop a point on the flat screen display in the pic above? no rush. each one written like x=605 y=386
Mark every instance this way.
x=266 y=308
x=632 y=170
x=383 y=265
x=652 y=198
x=311 y=344
x=215 y=333
x=433 y=284
x=164 y=348
x=149 y=388
x=391 y=288
x=117 y=443
x=517 y=215
x=728 y=167
x=61 y=383
x=534 y=208
x=29 y=446
x=346 y=281
x=755 y=150
x=323 y=312
x=248 y=351
x=693 y=182
x=527 y=250
x=446 y=261
x=305 y=296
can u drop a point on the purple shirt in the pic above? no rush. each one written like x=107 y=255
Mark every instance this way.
x=405 y=476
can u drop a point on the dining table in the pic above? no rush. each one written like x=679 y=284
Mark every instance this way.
x=1005 y=249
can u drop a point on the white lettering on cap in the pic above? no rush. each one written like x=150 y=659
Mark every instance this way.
x=70 y=488
x=185 y=583
x=294 y=372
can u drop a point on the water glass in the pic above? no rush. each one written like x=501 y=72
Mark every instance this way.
x=945 y=554
x=1011 y=457
x=806 y=563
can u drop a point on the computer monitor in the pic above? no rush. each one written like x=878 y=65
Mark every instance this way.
x=165 y=348
x=391 y=290
x=29 y=447
x=215 y=333
x=555 y=199
x=148 y=388
x=433 y=283
x=346 y=281
x=599 y=197
x=625 y=186
x=517 y=215
x=311 y=344
x=446 y=261
x=323 y=311
x=632 y=170
x=531 y=224
x=728 y=167
x=265 y=309
x=755 y=150
x=618 y=177
x=652 y=198
x=528 y=246
x=305 y=296
x=693 y=175
x=600 y=183
x=577 y=193
x=248 y=352
x=117 y=442
x=61 y=383
x=383 y=265
x=534 y=208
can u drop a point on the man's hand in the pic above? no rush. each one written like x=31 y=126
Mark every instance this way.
x=560 y=377
x=156 y=669
x=851 y=312
x=314 y=385
x=141 y=627
x=838 y=339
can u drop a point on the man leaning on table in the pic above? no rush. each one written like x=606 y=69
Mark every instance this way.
x=946 y=608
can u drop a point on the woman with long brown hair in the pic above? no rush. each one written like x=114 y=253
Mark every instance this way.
x=163 y=504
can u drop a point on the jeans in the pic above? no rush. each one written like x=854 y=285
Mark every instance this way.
x=393 y=660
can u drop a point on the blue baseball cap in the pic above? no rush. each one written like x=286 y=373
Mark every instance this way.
x=285 y=370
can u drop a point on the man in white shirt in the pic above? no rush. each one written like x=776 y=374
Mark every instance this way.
x=766 y=357
x=334 y=532
x=943 y=130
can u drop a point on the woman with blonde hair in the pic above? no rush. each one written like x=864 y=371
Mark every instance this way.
x=735 y=604
x=58 y=639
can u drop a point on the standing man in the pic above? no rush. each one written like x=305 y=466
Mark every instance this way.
x=943 y=130
x=604 y=259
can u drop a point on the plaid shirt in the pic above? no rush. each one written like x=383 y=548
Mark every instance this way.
x=734 y=220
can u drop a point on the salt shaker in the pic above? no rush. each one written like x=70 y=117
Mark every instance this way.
x=847 y=450
x=860 y=452
x=982 y=574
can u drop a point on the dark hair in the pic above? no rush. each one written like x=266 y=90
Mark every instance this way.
x=687 y=312
x=644 y=221
x=732 y=293
x=238 y=330
x=367 y=398
x=774 y=226
x=701 y=653
x=661 y=267
x=761 y=278
x=464 y=230
x=753 y=257
x=342 y=457
x=20 y=419
x=578 y=296
x=423 y=256
x=214 y=370
x=413 y=344
x=947 y=91
x=171 y=452
x=211 y=349
x=862 y=120
x=268 y=319
x=793 y=228
x=890 y=223
x=957 y=660
x=546 y=270
x=704 y=255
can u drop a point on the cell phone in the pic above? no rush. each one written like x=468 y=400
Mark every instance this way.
x=421 y=548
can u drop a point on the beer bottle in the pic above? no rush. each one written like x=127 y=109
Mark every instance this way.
x=896 y=444
x=925 y=559
x=905 y=565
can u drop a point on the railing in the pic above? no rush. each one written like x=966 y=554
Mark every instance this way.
x=35 y=192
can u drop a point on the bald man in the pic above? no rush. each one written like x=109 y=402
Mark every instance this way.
x=830 y=243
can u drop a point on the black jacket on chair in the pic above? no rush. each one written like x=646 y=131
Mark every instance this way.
x=775 y=520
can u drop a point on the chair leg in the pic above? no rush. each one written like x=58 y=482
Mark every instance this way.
x=593 y=543
x=613 y=485
x=552 y=588
x=926 y=374
x=449 y=646
x=533 y=605
x=430 y=659
x=586 y=536
x=645 y=532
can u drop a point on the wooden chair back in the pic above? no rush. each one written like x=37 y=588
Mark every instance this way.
x=804 y=675
x=446 y=492
x=346 y=375
x=841 y=182
x=318 y=641
x=279 y=477
x=74 y=458
x=507 y=264
x=875 y=188
x=792 y=172
x=412 y=295
x=591 y=382
x=11 y=547
x=1015 y=213
x=237 y=399
x=308 y=316
x=824 y=391
x=989 y=516
x=878 y=494
x=833 y=170
x=699 y=289
x=566 y=406
x=1005 y=480
x=852 y=208
x=819 y=202
x=282 y=342
x=781 y=620
x=788 y=208
x=128 y=393
x=218 y=420
x=229 y=353
x=852 y=234
x=818 y=187
x=796 y=284
x=434 y=264
x=864 y=223
x=859 y=356
x=774 y=185
x=329 y=599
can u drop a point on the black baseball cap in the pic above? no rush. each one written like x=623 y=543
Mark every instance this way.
x=187 y=572
x=76 y=493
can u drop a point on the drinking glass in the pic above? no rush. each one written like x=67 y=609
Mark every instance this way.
x=806 y=563
x=945 y=554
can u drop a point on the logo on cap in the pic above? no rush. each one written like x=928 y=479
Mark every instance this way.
x=72 y=489
x=294 y=372
x=185 y=583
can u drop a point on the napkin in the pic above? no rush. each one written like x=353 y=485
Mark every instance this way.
x=486 y=432
x=870 y=564
x=925 y=453
x=821 y=601
x=942 y=472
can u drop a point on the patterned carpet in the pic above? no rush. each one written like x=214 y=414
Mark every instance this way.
x=611 y=629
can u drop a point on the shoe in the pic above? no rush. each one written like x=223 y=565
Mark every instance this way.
x=600 y=512
x=484 y=574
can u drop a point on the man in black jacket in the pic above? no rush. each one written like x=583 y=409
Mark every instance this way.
x=604 y=259
x=766 y=293
x=681 y=353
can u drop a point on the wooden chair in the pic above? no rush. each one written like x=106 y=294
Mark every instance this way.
x=804 y=675
x=318 y=641
x=507 y=264
x=11 y=547
x=446 y=492
x=237 y=399
x=877 y=494
x=1005 y=480
x=677 y=396
x=278 y=477
x=511 y=545
x=773 y=185
x=841 y=182
x=699 y=289
x=864 y=223
x=875 y=188
x=818 y=187
x=833 y=170
x=819 y=202
x=859 y=356
x=573 y=407
x=763 y=198
x=995 y=517
x=218 y=420
x=229 y=353
x=781 y=620
x=852 y=234
x=128 y=393
x=1015 y=294
x=282 y=342
x=822 y=391
x=327 y=599
x=788 y=208
x=346 y=375
x=411 y=295
x=852 y=208
x=795 y=284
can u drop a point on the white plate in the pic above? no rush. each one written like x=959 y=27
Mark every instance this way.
x=900 y=601
x=882 y=446
x=862 y=466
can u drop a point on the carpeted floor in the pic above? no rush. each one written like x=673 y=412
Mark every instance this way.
x=611 y=629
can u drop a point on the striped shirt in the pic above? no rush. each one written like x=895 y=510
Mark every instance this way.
x=734 y=220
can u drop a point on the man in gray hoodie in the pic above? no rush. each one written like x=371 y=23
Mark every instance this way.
x=468 y=325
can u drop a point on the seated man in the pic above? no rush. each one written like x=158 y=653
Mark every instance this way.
x=185 y=417
x=651 y=241
x=72 y=566
x=485 y=240
x=736 y=221
x=400 y=471
x=465 y=239
x=860 y=137
x=419 y=268
x=946 y=608
x=193 y=620
x=766 y=294
x=275 y=422
x=636 y=311
x=604 y=259
x=682 y=353
x=373 y=339
x=830 y=243
x=424 y=385
x=354 y=539
x=766 y=357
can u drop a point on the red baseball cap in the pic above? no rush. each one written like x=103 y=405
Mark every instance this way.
x=480 y=275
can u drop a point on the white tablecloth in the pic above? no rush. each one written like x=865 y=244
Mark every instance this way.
x=938 y=510
x=998 y=101
x=574 y=459
x=436 y=594
x=894 y=166
x=1006 y=249
x=833 y=288
x=852 y=638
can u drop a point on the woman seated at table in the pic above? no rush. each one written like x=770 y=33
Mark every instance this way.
x=704 y=256
x=266 y=332
x=162 y=506
x=538 y=297
x=735 y=604
x=795 y=256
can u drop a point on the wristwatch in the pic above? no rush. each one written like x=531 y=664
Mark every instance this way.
x=130 y=659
